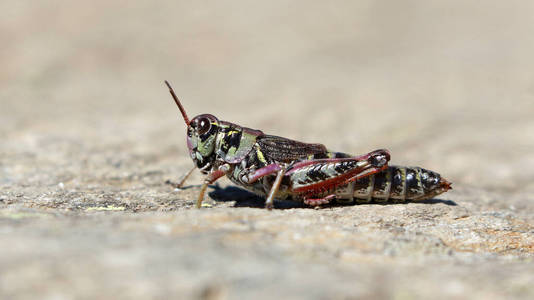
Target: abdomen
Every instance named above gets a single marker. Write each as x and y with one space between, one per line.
395 184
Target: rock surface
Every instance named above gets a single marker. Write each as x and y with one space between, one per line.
90 139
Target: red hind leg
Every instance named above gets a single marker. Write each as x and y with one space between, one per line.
309 177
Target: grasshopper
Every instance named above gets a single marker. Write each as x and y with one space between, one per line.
280 168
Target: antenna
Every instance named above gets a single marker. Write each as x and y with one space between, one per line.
182 110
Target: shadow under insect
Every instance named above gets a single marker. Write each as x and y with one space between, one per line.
244 198
439 201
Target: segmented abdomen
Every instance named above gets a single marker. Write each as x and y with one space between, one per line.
395 184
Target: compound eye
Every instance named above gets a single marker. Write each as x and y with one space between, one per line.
204 126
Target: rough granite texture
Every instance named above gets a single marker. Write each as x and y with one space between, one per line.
90 139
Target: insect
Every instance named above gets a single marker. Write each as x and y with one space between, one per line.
279 168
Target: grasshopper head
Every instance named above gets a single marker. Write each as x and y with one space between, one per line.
201 134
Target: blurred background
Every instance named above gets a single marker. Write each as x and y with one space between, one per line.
85 116
445 84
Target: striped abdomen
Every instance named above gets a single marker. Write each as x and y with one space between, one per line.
395 184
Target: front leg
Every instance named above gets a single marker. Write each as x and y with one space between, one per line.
180 184
211 178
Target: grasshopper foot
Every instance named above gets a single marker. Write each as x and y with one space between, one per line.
319 201
179 185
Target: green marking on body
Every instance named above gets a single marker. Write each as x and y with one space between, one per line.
260 156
